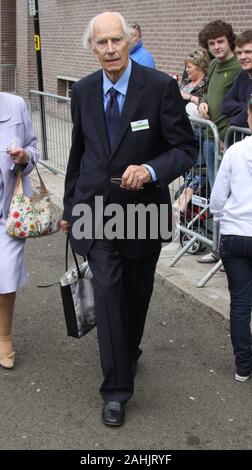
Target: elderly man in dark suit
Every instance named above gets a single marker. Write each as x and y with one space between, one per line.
129 126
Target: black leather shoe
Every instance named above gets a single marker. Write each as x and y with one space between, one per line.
113 413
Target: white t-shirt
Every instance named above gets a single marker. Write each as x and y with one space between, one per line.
231 197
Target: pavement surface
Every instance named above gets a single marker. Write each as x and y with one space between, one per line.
185 393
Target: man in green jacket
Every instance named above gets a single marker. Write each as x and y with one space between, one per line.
219 39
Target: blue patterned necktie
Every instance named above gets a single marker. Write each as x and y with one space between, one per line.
112 117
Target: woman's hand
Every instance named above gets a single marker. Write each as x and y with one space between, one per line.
65 226
203 110
19 156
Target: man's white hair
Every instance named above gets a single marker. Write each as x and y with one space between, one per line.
89 31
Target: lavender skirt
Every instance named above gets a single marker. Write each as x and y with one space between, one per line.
13 274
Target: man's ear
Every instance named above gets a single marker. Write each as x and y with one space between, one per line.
92 46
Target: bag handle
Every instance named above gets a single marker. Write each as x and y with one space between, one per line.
43 189
74 256
18 188
66 264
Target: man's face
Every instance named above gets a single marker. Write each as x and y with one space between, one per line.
244 55
110 45
220 48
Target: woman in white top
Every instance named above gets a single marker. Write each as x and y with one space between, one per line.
231 203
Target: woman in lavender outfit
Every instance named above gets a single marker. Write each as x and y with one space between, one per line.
17 148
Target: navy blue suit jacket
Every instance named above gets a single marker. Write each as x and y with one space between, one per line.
168 145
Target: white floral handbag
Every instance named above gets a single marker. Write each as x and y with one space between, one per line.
33 216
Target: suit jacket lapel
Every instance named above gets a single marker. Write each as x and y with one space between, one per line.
97 110
134 94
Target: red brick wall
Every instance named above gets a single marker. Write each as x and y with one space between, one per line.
8 32
169 28
26 60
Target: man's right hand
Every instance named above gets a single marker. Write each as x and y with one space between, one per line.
65 226
203 110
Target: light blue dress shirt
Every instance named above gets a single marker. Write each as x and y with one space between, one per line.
121 87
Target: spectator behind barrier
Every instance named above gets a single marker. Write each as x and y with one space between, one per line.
196 65
220 39
234 104
195 86
231 204
202 47
138 52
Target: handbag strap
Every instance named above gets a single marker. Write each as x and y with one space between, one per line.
42 184
66 262
18 188
74 256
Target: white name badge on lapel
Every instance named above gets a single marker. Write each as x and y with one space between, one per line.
140 125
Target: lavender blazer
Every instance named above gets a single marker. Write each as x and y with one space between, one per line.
15 122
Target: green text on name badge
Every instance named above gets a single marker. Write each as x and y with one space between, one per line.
139 125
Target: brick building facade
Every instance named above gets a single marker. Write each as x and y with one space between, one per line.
26 59
169 27
8 32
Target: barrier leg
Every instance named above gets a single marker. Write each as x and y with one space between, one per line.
210 274
183 251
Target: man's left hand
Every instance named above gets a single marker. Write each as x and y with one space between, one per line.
134 177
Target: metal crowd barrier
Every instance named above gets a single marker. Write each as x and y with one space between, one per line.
51 118
195 237
235 134
196 226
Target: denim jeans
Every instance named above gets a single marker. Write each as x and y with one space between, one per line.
208 152
236 255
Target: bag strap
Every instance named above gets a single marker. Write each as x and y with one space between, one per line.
42 184
74 256
66 263
18 188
